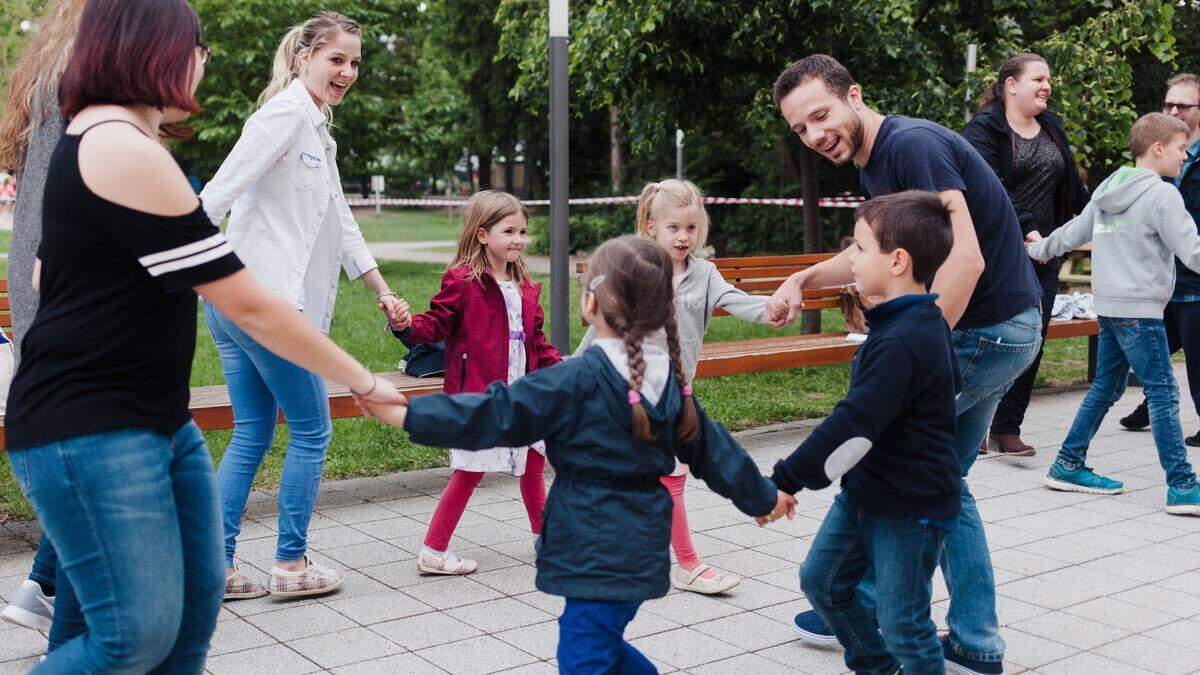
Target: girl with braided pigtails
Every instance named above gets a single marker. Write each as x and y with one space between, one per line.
671 212
615 420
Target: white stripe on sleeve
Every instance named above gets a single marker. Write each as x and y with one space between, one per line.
181 251
190 261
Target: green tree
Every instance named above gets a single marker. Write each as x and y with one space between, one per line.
244 34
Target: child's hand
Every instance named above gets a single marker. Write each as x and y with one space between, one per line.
785 505
395 308
777 311
393 414
1029 248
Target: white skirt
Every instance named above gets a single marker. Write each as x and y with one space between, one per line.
494 460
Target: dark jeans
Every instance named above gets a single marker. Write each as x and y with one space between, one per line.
44 563
1011 411
591 639
903 555
1182 320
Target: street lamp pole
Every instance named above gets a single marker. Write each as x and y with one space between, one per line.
559 249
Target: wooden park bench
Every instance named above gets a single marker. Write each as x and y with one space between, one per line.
210 406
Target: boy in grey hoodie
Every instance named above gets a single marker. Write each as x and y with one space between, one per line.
1137 225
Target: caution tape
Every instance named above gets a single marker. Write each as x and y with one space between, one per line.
838 202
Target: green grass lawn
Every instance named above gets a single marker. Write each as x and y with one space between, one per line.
407 224
363 447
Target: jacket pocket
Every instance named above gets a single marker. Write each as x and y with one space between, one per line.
307 170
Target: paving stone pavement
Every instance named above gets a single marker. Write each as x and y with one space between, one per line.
1086 584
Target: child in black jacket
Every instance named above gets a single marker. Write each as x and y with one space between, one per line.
890 443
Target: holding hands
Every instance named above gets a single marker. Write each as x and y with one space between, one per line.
785 505
396 310
1030 239
777 311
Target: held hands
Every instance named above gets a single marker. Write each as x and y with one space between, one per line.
396 310
785 505
789 293
777 311
1030 239
392 414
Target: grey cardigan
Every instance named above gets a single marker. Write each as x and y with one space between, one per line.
27 217
701 290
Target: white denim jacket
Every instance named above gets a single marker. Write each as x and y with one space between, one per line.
290 223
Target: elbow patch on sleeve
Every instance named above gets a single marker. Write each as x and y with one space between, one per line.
845 456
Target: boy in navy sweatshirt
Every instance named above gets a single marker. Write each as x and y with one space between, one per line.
890 443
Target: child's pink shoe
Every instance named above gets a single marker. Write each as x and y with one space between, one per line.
694 582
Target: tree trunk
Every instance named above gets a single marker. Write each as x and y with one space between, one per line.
508 168
616 136
485 170
810 320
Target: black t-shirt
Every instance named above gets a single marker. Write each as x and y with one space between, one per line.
916 154
112 343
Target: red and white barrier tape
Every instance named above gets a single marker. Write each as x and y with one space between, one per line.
838 202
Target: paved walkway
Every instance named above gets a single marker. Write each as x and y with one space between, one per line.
1087 584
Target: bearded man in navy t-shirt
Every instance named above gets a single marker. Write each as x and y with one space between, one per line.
987 292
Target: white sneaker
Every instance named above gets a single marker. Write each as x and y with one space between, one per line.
30 607
446 563
1083 306
692 581
1064 307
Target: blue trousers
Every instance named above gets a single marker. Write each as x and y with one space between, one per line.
591 639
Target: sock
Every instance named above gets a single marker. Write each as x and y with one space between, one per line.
47 589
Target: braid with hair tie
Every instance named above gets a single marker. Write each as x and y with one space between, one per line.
637 375
687 425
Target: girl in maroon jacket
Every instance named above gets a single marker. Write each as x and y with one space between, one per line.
488 314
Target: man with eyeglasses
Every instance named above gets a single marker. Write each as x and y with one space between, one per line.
1182 315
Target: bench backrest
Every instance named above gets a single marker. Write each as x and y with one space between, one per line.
761 275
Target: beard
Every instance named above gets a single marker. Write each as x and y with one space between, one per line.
854 137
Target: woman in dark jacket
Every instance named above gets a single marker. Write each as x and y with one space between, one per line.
1026 146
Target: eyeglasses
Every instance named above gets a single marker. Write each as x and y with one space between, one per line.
1182 107
205 53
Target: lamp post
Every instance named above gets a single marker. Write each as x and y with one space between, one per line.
559 253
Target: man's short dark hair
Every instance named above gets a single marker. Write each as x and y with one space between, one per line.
916 221
819 66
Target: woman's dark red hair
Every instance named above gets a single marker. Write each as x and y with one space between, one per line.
132 52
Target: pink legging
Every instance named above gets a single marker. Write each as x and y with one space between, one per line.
681 537
462 483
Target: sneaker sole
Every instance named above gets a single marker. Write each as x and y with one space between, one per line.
1020 453
25 618
952 667
1072 487
815 639
247 596
1129 428
707 590
441 572
1184 510
310 591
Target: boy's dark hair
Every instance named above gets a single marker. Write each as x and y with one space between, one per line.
916 221
814 66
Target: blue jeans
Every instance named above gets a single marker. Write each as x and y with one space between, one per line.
902 555
260 383
1142 345
591 639
989 359
133 516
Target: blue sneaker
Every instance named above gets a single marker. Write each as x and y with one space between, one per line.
1082 479
1184 502
813 630
956 663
